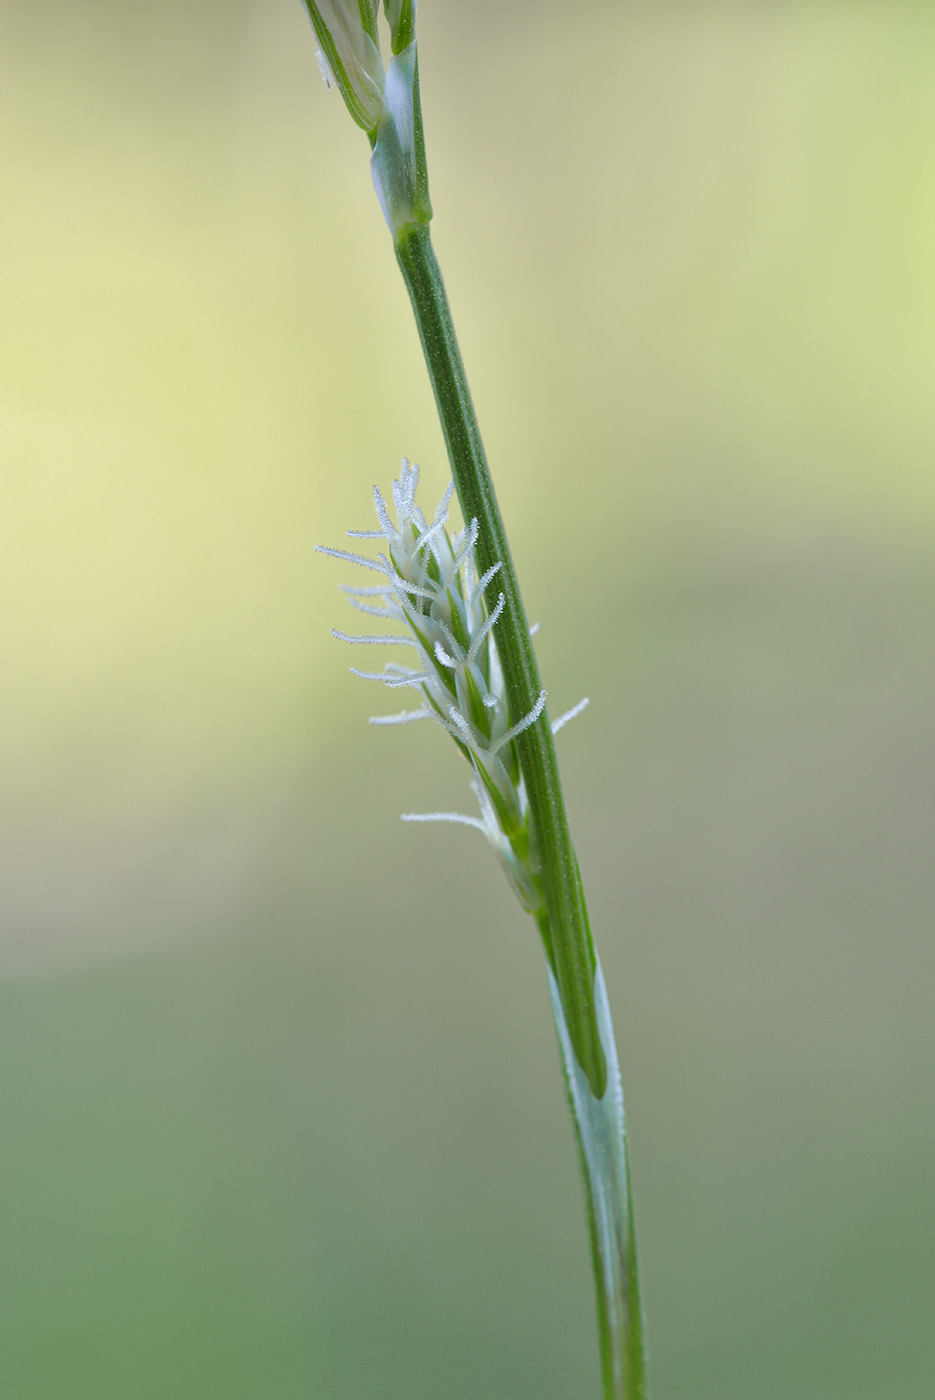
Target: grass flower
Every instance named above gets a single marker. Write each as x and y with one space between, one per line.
432 588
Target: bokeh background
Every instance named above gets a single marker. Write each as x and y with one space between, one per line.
280 1108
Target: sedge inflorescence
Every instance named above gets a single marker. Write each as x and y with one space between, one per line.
430 584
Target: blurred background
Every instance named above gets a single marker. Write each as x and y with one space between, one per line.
280 1101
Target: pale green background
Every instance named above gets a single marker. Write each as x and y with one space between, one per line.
280 1111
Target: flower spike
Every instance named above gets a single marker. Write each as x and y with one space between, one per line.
433 590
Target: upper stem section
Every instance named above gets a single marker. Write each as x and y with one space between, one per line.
565 929
397 163
383 101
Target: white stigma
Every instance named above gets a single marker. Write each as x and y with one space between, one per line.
430 586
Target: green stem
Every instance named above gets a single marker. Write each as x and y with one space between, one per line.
579 1000
568 945
600 1133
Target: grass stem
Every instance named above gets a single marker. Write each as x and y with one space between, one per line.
579 998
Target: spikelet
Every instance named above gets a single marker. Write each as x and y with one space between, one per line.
429 584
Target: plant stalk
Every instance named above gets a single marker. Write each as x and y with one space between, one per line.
578 996
567 935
